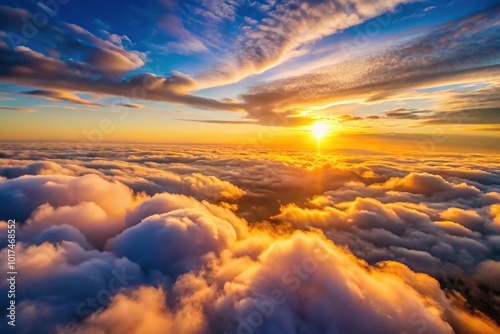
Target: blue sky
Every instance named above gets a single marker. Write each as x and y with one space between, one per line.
203 64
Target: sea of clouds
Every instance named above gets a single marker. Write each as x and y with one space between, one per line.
220 239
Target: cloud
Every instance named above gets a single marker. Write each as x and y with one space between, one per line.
100 66
165 202
37 70
71 283
131 105
175 242
403 219
60 190
348 118
142 310
467 116
217 10
416 63
187 42
287 27
217 121
103 56
58 96
93 65
403 113
429 185
354 233
89 218
487 272
17 109
302 274
116 39
12 17
12 170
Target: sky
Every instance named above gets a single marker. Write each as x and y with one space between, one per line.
249 167
393 74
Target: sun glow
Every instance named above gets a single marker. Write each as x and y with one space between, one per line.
319 129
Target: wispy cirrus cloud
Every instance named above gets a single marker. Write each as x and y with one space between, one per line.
186 41
466 53
58 96
217 10
286 27
17 109
131 105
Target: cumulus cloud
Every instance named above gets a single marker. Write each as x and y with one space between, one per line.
38 70
23 195
90 64
488 272
428 184
302 274
143 310
352 236
65 276
175 242
409 225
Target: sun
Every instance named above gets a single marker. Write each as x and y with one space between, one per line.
319 129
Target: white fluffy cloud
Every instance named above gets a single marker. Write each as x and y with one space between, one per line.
341 239
299 283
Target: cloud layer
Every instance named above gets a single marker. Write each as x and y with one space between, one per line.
461 51
142 238
286 27
420 62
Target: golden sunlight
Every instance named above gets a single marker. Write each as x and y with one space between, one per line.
319 129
